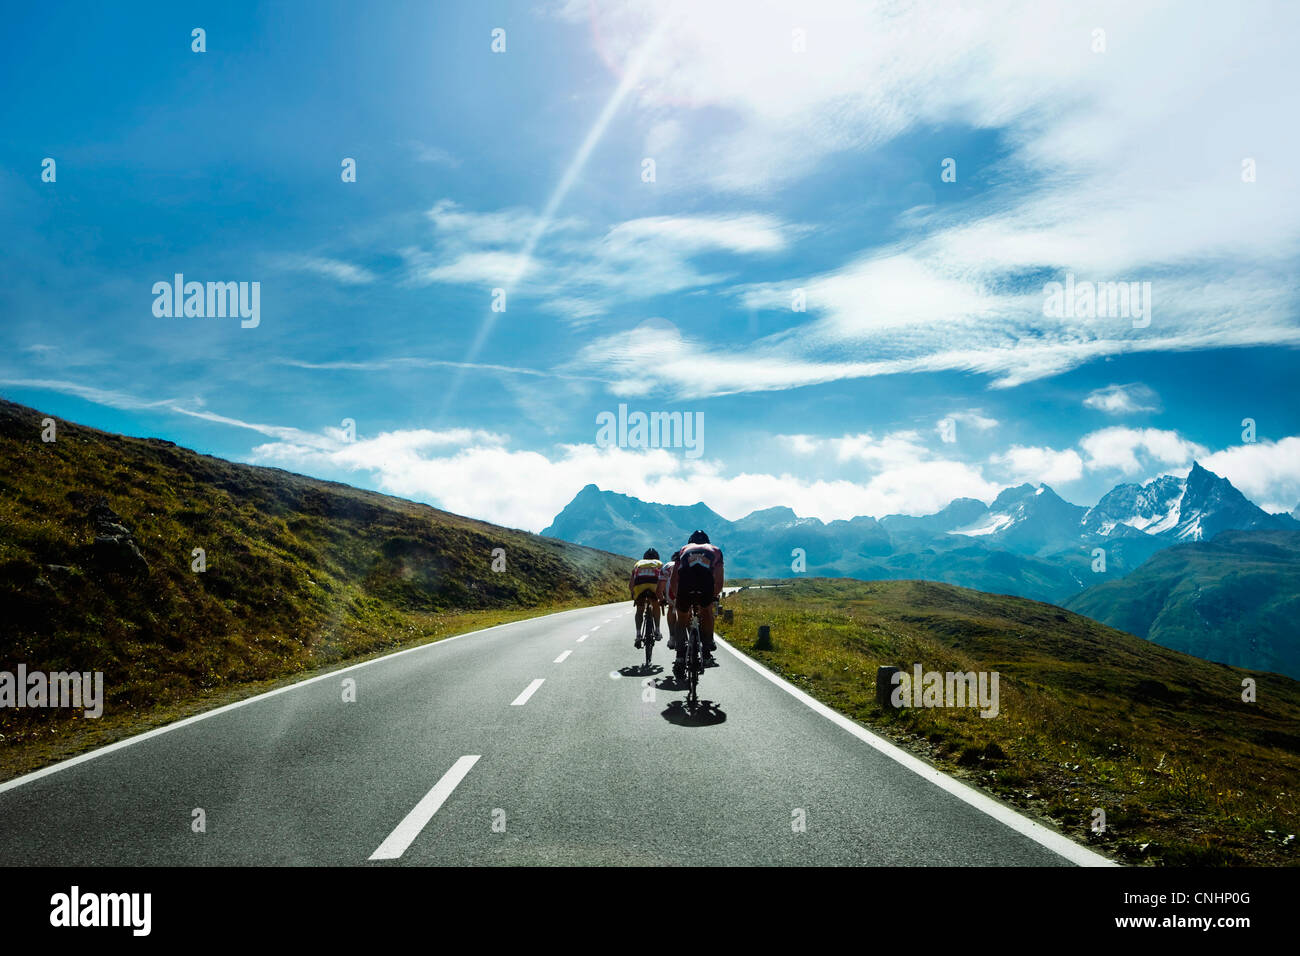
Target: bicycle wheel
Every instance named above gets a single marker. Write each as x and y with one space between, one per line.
693 671
649 642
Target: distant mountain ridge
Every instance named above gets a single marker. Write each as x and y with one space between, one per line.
1192 509
1189 563
624 521
1234 599
1029 542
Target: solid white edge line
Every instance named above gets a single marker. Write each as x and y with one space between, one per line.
1044 836
563 655
528 692
404 833
167 728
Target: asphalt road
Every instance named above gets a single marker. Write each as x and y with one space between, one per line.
445 758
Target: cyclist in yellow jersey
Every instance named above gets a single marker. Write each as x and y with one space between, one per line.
644 585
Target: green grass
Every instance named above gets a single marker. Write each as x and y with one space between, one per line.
1186 773
302 575
1234 598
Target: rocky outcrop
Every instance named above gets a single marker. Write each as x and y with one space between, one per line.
114 549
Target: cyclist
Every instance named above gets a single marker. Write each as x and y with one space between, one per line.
696 579
644 584
670 612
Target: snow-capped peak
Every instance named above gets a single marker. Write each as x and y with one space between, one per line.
1188 509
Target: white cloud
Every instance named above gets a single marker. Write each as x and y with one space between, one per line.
739 233
1133 450
1138 194
100 396
891 450
406 361
1268 473
912 317
486 268
477 474
639 364
974 419
576 310
887 292
904 476
579 274
504 227
874 71
191 407
342 272
800 444
1022 464
1123 399
946 427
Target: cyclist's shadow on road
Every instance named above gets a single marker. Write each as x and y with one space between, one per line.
641 670
706 714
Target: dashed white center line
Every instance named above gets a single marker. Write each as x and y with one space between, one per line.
596 628
583 638
415 821
560 659
528 692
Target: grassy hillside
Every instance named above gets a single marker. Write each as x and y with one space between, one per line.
1234 598
1090 717
97 533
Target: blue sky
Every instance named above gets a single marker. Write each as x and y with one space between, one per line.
775 170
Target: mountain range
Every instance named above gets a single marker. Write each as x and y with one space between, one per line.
1028 542
1188 563
1233 599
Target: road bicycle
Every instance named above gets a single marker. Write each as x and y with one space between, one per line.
648 633
694 658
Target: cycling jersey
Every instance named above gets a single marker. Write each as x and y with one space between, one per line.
697 578
645 577
646 571
665 576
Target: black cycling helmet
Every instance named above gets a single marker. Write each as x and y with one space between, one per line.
698 537
650 553
677 554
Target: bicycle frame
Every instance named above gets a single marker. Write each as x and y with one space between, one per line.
647 629
694 658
